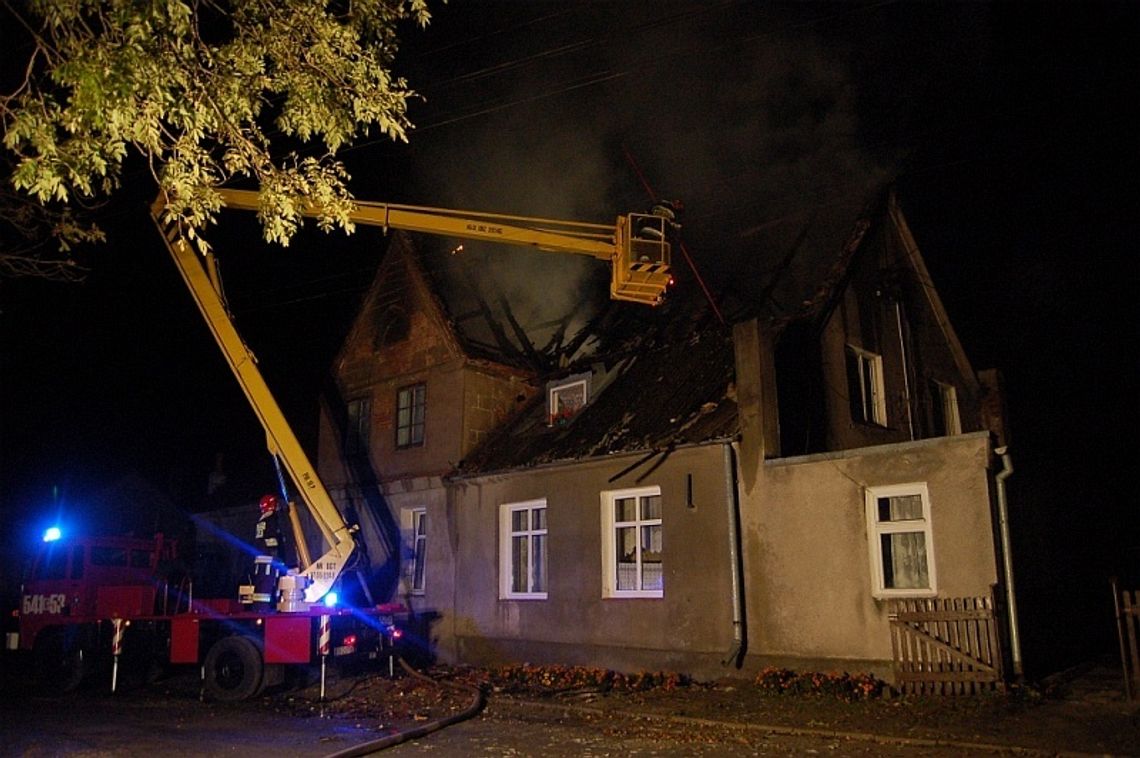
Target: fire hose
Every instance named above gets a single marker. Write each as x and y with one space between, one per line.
391 740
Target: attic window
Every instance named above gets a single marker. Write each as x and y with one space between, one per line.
944 405
392 327
865 386
565 398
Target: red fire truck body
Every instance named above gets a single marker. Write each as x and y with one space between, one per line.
81 589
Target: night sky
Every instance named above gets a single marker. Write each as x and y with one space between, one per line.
1006 129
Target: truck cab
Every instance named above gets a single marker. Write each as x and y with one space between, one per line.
92 577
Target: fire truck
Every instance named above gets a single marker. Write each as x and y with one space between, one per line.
91 600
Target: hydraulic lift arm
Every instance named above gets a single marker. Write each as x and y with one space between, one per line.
200 277
635 246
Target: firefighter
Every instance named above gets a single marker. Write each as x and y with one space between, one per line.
268 566
670 211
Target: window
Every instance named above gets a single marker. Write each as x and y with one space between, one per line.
898 529
410 402
565 398
77 562
358 427
865 386
418 517
944 404
54 563
631 543
392 328
103 555
522 550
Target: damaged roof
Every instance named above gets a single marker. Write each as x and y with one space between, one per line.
658 396
664 377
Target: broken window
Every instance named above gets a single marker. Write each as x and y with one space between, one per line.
865 386
633 537
566 398
522 550
410 405
902 558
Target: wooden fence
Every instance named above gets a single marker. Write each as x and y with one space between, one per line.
946 646
1128 629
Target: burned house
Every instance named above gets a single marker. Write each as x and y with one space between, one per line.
684 491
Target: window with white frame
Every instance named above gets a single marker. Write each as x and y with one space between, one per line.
865 386
565 398
632 535
944 404
416 523
902 550
411 402
522 550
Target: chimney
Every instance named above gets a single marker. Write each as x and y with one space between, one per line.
754 350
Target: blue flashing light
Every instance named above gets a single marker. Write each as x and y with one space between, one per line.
53 533
330 600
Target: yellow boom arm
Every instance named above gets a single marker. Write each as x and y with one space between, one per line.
201 279
639 261
635 247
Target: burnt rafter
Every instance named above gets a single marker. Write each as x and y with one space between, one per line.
503 342
541 362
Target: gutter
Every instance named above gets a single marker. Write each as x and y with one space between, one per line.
1007 557
735 655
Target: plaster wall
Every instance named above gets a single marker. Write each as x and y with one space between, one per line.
807 556
690 624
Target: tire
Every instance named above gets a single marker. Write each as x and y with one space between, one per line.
61 663
234 669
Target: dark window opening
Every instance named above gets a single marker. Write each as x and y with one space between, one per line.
108 556
54 565
77 562
359 427
391 328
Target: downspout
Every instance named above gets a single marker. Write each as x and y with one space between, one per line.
735 655
1007 557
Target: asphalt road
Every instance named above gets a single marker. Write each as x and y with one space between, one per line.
169 720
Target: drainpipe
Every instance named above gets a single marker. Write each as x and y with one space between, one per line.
1007 557
732 502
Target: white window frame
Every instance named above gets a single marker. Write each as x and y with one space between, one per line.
876 529
415 521
507 535
609 542
578 384
873 399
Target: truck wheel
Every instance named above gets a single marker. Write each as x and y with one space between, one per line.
234 669
60 664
